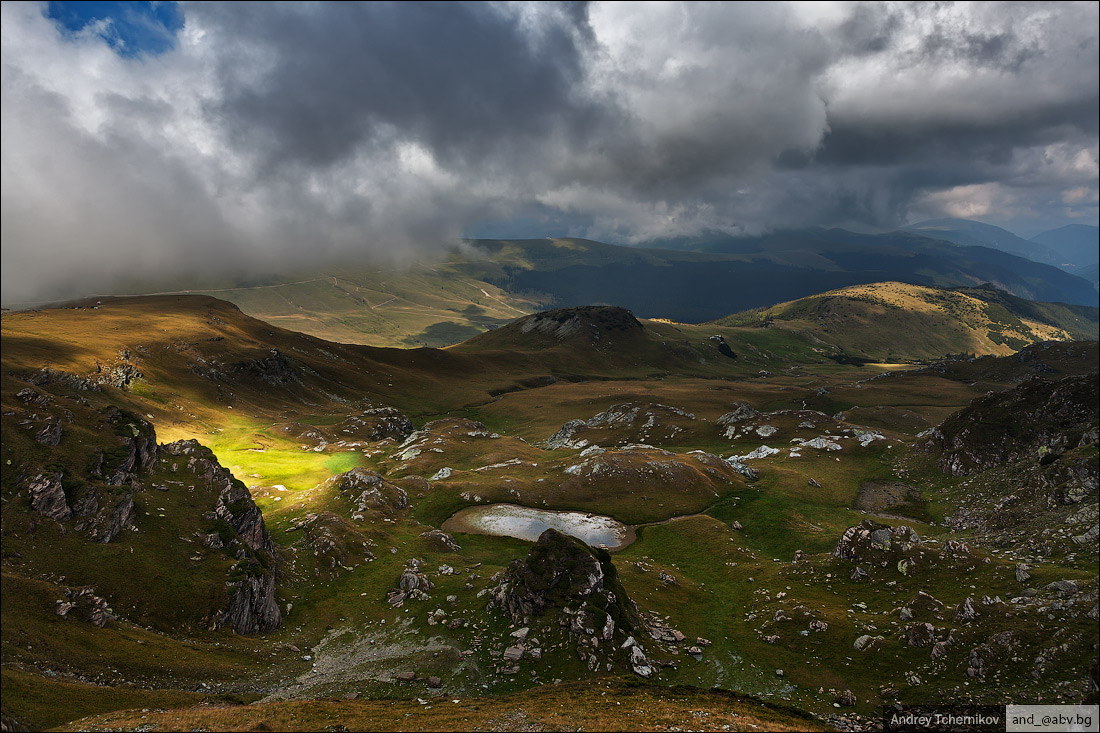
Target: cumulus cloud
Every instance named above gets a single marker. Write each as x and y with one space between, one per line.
274 135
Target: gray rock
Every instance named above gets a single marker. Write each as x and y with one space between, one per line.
48 497
50 434
1023 572
1065 587
252 607
441 540
105 527
920 634
845 698
965 612
865 642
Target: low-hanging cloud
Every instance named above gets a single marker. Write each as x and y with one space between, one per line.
276 135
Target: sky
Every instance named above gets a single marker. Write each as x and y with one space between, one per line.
144 138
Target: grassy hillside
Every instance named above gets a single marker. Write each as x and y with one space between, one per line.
358 456
487 283
892 321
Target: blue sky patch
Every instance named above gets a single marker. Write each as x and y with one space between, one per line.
130 28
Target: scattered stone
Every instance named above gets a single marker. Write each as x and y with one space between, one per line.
866 642
1063 587
845 698
965 612
50 434
920 634
441 540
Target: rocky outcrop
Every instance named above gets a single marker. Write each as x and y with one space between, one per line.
137 453
965 612
558 571
109 522
51 377
563 585
119 375
879 544
622 424
252 607
566 437
1038 419
441 541
595 322
241 532
411 585
83 602
50 434
48 497
741 412
275 370
369 491
378 423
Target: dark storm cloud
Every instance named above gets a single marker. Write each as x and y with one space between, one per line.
276 134
309 85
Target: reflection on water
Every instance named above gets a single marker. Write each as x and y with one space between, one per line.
525 523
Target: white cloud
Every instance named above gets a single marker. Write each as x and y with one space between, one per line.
391 129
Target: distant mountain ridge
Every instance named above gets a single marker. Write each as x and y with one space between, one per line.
1077 244
730 274
968 233
488 282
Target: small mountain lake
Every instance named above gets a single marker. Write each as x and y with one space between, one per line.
525 523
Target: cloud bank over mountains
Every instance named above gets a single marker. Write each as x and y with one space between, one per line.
273 134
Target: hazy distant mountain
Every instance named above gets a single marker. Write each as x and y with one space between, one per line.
966 232
733 274
1076 244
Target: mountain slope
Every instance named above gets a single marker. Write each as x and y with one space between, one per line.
968 233
889 321
740 273
1077 245
486 283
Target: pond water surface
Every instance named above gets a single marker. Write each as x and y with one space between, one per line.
526 523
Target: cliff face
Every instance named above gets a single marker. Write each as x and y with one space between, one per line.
240 531
1038 419
96 472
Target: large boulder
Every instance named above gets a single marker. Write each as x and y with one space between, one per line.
880 544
